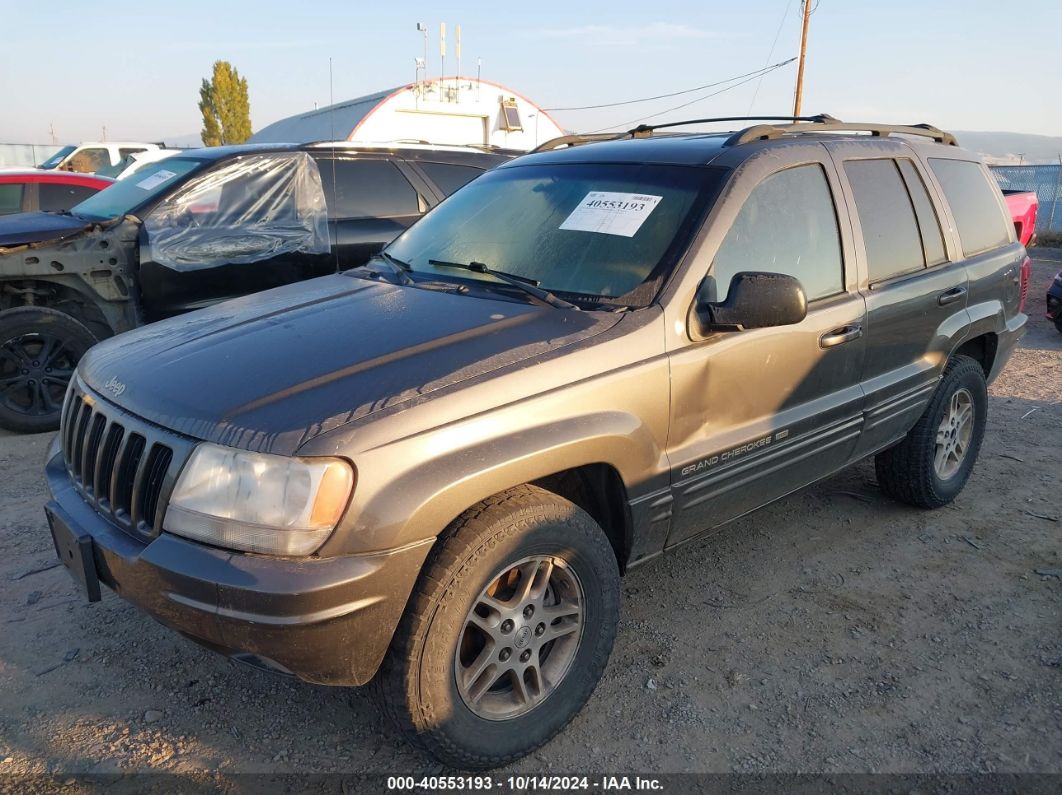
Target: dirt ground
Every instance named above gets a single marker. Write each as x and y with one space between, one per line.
835 631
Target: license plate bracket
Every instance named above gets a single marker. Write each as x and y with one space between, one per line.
75 553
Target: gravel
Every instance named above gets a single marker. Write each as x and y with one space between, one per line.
834 631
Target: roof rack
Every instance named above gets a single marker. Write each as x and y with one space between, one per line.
646 130
824 123
821 122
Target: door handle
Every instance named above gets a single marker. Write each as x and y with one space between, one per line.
839 336
951 296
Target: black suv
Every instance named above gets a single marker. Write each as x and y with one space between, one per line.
431 472
194 229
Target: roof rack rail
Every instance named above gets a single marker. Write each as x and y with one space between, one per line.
576 140
643 129
646 130
824 123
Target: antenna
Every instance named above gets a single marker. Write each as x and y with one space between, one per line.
457 52
333 224
479 69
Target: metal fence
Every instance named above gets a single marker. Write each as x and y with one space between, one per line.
1046 181
25 155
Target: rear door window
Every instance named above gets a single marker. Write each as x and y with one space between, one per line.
886 214
56 198
974 202
448 177
366 189
10 198
787 225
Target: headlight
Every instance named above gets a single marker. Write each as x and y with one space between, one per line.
256 502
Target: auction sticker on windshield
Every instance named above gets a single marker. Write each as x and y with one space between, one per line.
611 213
156 179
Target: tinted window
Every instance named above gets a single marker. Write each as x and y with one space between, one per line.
973 200
787 225
890 231
10 199
125 151
54 198
449 177
928 223
366 189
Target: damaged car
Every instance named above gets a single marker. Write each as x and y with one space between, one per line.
194 229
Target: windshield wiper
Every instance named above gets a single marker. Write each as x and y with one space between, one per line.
529 286
398 267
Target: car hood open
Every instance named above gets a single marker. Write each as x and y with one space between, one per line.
270 371
23 228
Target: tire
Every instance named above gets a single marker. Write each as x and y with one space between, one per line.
914 471
1058 325
418 682
39 349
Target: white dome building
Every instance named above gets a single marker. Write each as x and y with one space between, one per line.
450 110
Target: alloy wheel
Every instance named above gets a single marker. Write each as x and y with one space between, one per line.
520 638
35 370
954 434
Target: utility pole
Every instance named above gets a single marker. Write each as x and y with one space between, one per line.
803 54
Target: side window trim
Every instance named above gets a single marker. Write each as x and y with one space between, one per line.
934 208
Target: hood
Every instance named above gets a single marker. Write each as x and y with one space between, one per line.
270 371
22 228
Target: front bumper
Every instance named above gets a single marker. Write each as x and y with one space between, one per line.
327 621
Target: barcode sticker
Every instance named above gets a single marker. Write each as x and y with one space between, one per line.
610 213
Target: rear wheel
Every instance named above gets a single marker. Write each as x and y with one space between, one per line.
932 464
507 632
39 349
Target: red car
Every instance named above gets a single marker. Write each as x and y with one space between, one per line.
51 191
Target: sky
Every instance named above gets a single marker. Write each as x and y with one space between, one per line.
135 67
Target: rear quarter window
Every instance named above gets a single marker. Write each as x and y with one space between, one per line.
449 177
974 203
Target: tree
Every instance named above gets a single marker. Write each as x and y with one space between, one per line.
226 110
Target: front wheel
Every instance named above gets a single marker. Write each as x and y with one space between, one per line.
932 464
507 632
39 349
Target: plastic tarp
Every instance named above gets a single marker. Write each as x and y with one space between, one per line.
252 209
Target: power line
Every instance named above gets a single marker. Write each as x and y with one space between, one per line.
770 54
673 93
747 79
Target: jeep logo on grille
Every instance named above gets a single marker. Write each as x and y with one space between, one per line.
115 387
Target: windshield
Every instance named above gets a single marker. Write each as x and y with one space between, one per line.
125 196
608 231
57 158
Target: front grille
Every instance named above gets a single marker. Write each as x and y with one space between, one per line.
122 465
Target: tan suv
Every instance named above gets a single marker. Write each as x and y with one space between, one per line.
432 470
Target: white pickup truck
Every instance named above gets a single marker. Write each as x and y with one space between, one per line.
91 156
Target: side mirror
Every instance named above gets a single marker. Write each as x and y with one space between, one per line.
755 300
